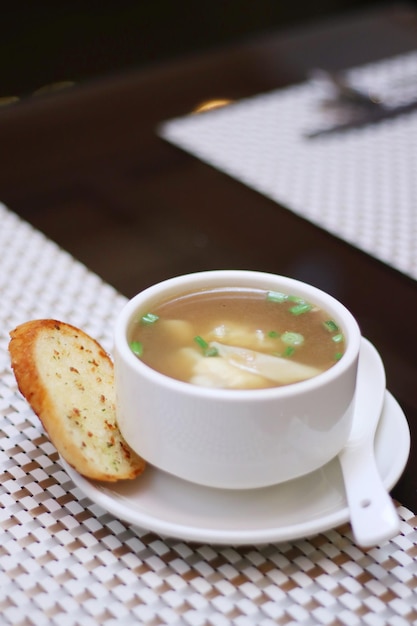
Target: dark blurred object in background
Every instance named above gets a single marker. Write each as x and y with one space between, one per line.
43 43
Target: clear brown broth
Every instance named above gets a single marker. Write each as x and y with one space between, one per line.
264 323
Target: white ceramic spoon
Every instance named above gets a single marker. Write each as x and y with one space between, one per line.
372 513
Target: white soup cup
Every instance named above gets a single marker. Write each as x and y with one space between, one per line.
230 438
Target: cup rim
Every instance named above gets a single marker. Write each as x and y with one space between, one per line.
124 321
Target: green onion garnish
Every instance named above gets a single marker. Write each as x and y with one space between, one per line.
299 309
338 356
273 334
289 351
149 318
296 299
201 342
211 351
292 339
338 338
331 326
136 348
276 296
206 348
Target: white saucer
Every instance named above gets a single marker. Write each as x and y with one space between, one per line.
299 508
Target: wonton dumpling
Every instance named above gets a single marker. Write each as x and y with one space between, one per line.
240 335
218 372
176 329
283 371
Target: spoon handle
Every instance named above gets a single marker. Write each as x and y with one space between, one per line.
373 516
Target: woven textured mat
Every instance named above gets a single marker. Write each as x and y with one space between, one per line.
359 184
65 561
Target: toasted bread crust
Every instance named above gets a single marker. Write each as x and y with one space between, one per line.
68 380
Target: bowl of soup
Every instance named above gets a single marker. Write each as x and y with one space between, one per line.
235 379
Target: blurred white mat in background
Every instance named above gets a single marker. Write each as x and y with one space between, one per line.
360 185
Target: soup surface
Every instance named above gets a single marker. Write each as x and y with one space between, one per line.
237 338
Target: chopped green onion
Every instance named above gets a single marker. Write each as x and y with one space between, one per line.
331 326
338 338
276 296
149 318
211 351
289 351
136 348
206 348
299 309
292 339
273 334
201 342
338 356
296 299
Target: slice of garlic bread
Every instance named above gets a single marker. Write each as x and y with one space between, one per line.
68 380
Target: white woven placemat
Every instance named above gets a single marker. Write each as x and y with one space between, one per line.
360 185
64 561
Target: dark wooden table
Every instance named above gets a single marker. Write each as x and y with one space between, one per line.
86 167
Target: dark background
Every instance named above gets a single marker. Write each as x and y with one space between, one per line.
85 166
46 42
